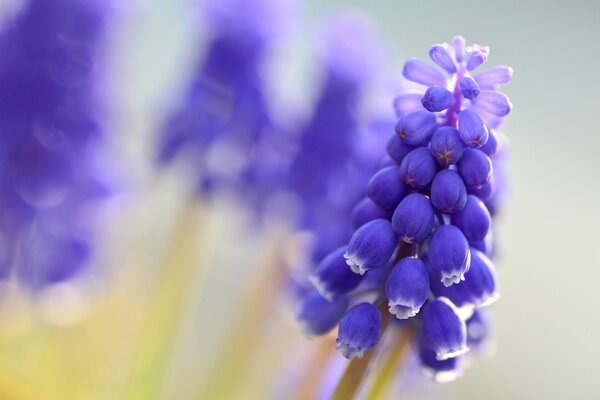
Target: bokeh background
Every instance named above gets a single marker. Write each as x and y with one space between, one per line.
151 330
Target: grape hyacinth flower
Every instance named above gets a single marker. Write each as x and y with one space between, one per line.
51 139
223 127
360 329
433 263
338 151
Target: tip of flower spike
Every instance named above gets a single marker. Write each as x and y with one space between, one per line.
355 265
348 351
401 311
449 279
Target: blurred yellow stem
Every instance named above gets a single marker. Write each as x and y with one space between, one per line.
167 306
250 323
385 374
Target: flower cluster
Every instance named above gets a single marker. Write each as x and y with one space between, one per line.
424 232
48 182
223 124
329 171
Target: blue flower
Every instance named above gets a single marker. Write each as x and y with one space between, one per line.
407 287
448 192
371 246
413 218
449 254
360 330
443 329
318 316
446 177
50 139
439 370
332 277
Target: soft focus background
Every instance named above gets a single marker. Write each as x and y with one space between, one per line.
152 330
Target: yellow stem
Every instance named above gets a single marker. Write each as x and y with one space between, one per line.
164 313
241 345
385 374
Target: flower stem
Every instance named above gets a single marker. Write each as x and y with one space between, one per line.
386 372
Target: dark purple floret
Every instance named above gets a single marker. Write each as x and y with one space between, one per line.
447 146
332 277
416 127
440 370
448 192
469 87
449 254
386 188
413 218
437 99
371 246
407 287
418 168
475 168
491 146
398 148
443 330
360 330
474 219
471 129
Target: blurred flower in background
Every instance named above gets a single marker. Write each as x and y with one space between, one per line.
51 140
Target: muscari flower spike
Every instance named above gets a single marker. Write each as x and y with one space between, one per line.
51 138
433 263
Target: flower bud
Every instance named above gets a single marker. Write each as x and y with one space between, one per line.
419 71
371 246
448 192
386 188
469 87
413 218
398 148
444 331
493 102
439 54
473 220
407 287
447 146
318 316
359 331
439 370
491 78
437 98
416 127
475 168
449 254
471 129
418 168
332 277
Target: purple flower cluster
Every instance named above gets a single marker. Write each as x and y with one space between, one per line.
48 72
330 169
424 232
223 124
